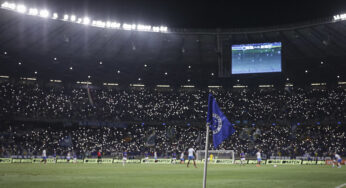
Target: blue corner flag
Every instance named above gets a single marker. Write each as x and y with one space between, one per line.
218 122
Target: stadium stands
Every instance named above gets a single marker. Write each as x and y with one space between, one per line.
281 122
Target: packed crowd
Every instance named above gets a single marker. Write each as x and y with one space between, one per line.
145 105
109 104
314 140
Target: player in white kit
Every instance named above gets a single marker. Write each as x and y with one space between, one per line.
44 156
155 156
337 160
182 160
259 159
124 157
68 157
191 156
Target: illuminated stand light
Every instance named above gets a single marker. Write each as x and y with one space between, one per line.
98 23
8 5
73 18
79 20
215 87
163 86
129 26
113 25
33 12
55 16
44 13
66 16
340 17
156 29
86 21
160 29
21 9
144 27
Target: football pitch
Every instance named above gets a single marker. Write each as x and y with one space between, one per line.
162 176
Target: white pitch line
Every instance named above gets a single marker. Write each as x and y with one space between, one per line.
340 186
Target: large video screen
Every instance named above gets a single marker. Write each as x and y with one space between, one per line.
256 58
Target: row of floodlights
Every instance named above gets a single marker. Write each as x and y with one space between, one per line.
44 13
340 17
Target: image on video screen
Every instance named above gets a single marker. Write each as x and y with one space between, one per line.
256 58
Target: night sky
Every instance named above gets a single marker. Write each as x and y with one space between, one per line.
198 14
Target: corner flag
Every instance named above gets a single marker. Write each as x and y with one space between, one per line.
218 122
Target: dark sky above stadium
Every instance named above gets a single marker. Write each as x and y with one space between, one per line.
199 14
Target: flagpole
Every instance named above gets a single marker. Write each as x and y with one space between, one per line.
206 156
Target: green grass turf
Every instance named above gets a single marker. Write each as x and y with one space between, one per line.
162 176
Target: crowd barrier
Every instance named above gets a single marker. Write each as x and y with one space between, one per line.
169 161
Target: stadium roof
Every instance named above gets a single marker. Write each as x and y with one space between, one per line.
60 50
201 14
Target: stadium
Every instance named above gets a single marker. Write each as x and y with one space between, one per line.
95 98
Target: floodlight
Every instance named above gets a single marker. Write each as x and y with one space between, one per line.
33 11
115 25
156 29
21 9
86 21
55 16
4 5
108 24
144 27
163 29
66 17
129 26
126 26
10 6
44 13
98 23
73 18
